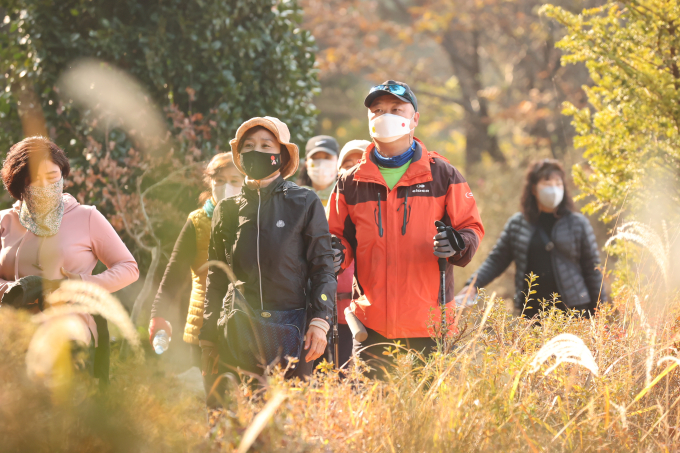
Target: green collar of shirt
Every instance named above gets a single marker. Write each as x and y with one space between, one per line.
393 175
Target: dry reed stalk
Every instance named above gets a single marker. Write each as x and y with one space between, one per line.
647 237
76 296
260 421
566 348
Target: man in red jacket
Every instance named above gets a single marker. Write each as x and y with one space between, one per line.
383 211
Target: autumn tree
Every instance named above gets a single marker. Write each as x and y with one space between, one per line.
495 60
240 58
630 133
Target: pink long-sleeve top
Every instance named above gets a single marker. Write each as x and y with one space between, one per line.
84 237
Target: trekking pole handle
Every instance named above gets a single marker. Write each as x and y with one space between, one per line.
455 239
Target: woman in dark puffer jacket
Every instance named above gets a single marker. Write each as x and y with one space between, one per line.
551 240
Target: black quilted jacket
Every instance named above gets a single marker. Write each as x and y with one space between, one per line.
575 259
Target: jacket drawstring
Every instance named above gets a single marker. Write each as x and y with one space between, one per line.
378 221
406 218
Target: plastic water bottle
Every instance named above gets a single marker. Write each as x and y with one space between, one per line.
161 342
462 302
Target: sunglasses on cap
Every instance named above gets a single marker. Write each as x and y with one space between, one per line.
403 92
394 89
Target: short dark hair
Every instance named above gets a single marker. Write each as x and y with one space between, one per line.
16 172
539 170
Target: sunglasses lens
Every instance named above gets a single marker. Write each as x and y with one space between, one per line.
394 89
397 89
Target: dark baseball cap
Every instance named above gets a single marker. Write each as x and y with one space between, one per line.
397 89
324 143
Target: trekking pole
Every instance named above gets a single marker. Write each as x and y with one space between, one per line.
442 293
336 244
335 337
458 244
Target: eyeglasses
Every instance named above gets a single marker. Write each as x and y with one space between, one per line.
394 89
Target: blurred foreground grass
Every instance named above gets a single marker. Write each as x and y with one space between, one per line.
490 394
141 411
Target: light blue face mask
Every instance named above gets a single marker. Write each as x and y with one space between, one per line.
551 196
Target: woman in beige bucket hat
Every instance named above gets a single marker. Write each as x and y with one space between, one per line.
275 237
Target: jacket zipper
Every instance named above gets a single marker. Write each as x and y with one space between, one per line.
259 270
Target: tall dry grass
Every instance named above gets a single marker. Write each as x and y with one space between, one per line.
603 385
615 389
561 383
141 411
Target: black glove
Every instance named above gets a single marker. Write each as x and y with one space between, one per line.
447 241
27 292
338 254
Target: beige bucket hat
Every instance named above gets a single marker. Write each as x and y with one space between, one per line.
282 134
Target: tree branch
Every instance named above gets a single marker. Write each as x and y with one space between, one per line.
142 206
448 42
466 105
126 225
402 7
166 179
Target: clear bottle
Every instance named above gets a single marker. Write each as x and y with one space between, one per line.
161 342
463 302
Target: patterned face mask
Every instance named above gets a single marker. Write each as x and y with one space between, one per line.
42 209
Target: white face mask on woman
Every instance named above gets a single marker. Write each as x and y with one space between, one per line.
322 172
388 128
222 191
551 196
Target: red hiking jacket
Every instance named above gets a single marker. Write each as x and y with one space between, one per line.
388 234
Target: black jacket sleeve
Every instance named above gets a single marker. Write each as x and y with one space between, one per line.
176 272
319 260
217 281
498 260
590 263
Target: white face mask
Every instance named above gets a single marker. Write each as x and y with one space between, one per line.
387 127
551 196
322 171
222 191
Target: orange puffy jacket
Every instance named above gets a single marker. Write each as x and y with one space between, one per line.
389 235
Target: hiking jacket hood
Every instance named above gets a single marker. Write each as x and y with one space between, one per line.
575 259
389 234
280 242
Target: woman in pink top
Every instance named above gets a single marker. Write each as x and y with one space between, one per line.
47 233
